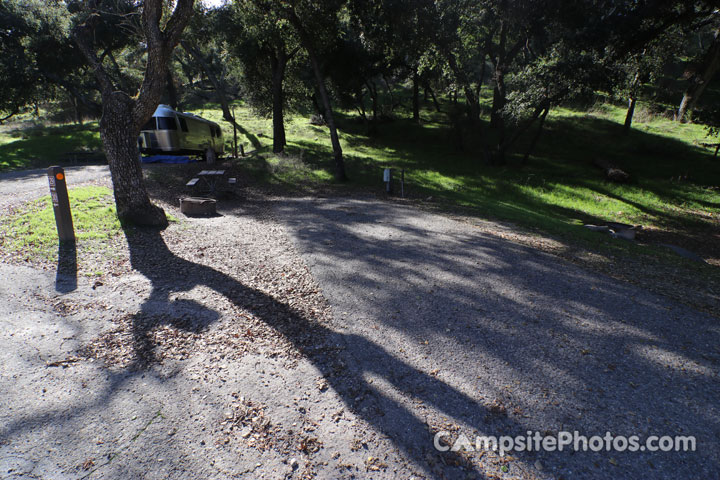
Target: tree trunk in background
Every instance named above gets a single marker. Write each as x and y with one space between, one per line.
416 97
497 120
501 58
76 110
172 91
278 63
390 93
372 91
472 101
631 103
119 136
499 98
700 79
316 106
481 80
682 110
322 91
535 139
219 92
629 115
91 107
436 104
329 117
504 143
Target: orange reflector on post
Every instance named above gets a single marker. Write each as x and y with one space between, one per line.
59 176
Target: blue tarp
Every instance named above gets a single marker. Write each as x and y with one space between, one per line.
167 159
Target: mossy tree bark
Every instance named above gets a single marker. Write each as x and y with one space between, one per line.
123 115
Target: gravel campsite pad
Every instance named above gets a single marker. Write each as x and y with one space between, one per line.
333 338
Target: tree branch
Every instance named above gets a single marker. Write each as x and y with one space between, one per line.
178 22
160 46
72 90
81 36
16 110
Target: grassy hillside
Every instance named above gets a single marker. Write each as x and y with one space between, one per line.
674 188
674 185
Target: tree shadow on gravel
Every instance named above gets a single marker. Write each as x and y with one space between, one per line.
562 349
333 354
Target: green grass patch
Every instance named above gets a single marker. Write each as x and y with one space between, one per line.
37 147
31 232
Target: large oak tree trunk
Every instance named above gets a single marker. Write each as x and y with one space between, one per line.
123 115
119 136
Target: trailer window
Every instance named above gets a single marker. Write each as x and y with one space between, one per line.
150 125
212 130
166 123
218 132
183 124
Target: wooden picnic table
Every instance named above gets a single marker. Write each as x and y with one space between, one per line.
210 178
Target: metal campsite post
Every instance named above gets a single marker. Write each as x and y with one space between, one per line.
387 178
61 204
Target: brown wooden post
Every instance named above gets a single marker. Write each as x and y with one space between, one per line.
61 204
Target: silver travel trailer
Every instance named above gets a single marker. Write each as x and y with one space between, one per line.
176 133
